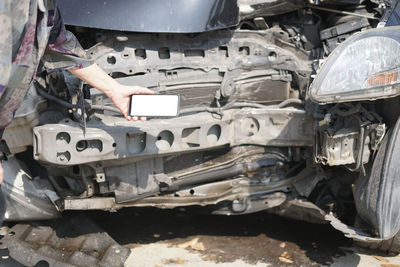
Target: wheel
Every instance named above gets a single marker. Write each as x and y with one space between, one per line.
376 194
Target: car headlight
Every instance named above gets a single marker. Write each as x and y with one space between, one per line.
365 67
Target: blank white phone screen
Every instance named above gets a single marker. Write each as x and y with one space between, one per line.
154 105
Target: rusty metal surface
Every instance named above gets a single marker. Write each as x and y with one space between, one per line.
72 241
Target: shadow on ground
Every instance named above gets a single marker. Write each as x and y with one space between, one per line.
259 237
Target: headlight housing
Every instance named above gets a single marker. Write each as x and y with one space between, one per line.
365 67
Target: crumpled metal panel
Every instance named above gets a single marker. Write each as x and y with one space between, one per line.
180 16
18 135
73 241
349 231
27 198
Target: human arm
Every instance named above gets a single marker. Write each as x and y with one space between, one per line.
63 51
118 93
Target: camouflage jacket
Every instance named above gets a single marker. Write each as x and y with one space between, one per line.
30 31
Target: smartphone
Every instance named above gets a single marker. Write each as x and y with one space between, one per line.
154 105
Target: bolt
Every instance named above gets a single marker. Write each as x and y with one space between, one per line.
280 164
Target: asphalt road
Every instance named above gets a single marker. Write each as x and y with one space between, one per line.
167 238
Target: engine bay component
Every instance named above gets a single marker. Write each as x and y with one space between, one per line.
336 35
346 135
251 190
106 139
227 65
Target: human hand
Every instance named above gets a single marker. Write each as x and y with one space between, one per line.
121 94
1 173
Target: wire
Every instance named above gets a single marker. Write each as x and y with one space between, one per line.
343 12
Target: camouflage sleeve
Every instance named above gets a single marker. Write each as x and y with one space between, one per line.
5 43
63 50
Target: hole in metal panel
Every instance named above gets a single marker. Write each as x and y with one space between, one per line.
63 157
213 134
81 145
250 126
140 54
272 56
63 139
244 50
111 60
165 139
163 53
92 145
136 142
42 263
194 53
223 51
191 137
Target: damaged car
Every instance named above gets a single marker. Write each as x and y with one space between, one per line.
287 106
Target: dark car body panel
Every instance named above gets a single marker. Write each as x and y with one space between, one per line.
172 16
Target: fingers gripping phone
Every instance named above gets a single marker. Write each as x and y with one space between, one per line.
154 105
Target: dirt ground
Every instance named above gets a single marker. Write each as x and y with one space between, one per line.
167 238
252 238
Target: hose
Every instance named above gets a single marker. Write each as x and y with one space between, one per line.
66 104
59 101
290 101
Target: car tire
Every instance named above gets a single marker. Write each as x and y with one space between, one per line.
391 245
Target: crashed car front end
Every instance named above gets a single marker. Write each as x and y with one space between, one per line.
252 134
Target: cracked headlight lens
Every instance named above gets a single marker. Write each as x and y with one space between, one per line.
364 67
